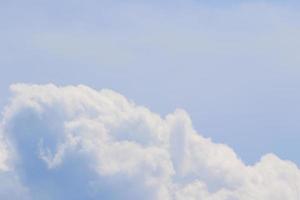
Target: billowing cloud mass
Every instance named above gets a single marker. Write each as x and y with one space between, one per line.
78 143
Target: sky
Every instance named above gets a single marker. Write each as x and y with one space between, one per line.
232 66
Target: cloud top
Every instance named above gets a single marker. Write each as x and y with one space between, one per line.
75 142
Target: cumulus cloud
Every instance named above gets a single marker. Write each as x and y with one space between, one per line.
78 143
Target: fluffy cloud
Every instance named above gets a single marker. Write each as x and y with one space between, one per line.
78 143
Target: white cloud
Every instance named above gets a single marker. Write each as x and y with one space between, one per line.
78 143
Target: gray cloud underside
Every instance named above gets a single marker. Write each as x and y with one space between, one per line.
78 143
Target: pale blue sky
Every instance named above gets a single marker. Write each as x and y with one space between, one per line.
234 66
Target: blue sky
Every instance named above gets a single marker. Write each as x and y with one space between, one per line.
225 70
234 66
